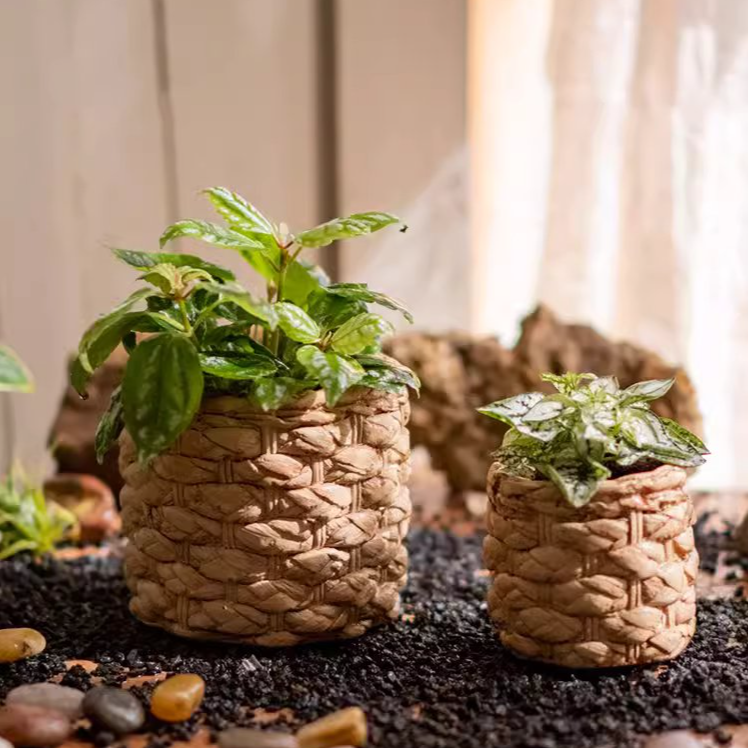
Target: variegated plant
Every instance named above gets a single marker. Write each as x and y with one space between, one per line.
207 333
589 430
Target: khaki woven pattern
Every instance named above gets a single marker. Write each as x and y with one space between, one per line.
610 584
272 529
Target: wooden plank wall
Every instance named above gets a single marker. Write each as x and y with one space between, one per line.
117 113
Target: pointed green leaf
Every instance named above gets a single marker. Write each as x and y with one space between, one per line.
296 323
234 294
345 228
14 376
577 481
146 260
246 366
210 233
683 437
359 333
361 292
335 373
239 213
395 371
161 391
302 279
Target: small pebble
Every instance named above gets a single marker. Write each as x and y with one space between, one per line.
114 709
16 644
346 727
177 698
5 744
49 696
245 737
674 739
33 726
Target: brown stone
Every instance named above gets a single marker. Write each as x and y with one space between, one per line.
345 727
17 644
50 696
90 500
177 698
461 372
33 726
674 739
245 737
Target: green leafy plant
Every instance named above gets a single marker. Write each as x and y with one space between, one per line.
207 334
14 376
589 430
28 522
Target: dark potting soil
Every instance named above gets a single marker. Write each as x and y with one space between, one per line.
436 678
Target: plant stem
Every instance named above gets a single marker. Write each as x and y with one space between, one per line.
185 318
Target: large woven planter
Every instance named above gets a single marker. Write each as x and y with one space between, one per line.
272 528
607 585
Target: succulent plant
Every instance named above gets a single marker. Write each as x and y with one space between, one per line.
207 334
28 522
590 430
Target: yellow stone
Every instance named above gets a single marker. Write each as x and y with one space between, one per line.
17 644
177 698
346 727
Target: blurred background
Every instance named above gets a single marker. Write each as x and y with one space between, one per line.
589 155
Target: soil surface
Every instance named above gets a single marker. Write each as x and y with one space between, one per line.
436 678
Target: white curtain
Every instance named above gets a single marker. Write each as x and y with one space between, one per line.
609 144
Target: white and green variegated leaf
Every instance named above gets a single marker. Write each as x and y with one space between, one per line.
210 233
512 409
345 228
652 389
683 437
334 372
577 481
360 332
296 323
14 376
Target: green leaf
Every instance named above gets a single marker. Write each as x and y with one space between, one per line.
302 279
512 409
14 376
247 366
567 383
146 260
296 323
272 392
161 391
165 277
238 213
345 228
544 410
395 371
210 233
335 373
235 294
652 389
361 292
110 426
332 311
360 332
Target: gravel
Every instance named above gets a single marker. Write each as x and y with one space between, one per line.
438 678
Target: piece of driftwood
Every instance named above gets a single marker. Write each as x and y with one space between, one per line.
272 528
609 584
461 372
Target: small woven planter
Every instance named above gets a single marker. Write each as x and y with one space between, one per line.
272 528
606 585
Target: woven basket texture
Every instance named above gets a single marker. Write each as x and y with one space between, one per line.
272 528
610 584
